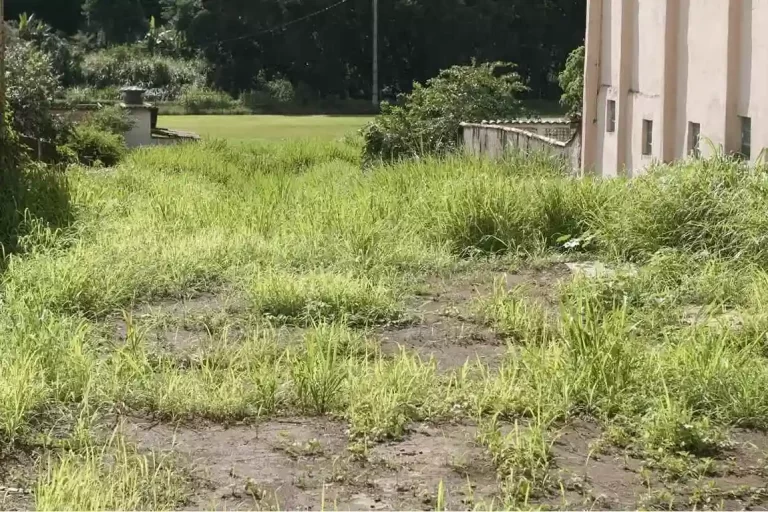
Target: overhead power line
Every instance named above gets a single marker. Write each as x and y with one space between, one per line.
282 26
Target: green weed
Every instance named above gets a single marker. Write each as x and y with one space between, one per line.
113 477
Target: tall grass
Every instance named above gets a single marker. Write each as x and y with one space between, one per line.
298 236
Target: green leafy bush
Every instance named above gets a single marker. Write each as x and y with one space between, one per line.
165 76
428 119
111 119
94 146
280 89
571 81
255 100
199 100
86 94
66 58
270 92
30 88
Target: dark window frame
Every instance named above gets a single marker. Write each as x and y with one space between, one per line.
610 124
647 137
746 137
694 139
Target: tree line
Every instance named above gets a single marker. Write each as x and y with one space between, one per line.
324 46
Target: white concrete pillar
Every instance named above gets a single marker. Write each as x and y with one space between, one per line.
592 62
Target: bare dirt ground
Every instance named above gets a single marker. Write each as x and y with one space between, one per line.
306 463
17 471
299 464
448 329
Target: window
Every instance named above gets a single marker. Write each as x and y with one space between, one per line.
610 125
746 137
647 137
694 139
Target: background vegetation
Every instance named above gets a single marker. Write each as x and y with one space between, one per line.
298 52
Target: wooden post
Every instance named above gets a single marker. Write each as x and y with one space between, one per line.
2 67
375 52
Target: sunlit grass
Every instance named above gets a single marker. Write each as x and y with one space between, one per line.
254 128
667 354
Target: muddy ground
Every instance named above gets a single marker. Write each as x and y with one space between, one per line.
305 463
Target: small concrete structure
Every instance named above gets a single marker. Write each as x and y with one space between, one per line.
493 138
141 113
662 76
144 116
557 128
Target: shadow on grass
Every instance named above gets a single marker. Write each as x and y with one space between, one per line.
32 196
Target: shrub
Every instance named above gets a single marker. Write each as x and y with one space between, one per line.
199 100
94 146
86 94
165 76
270 92
428 119
255 100
66 58
571 81
281 90
111 119
30 88
699 206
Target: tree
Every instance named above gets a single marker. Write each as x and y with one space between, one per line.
571 81
329 50
429 118
116 21
324 47
30 88
63 15
66 58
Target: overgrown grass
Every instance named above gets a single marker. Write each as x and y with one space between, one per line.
113 477
667 354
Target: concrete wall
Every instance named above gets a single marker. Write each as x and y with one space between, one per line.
494 140
552 129
672 62
141 133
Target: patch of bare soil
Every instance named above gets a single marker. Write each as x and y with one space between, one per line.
186 327
303 464
445 326
434 454
17 477
174 326
616 481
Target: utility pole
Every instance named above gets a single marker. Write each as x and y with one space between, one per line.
375 52
2 68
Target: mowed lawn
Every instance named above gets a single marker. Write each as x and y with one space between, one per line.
266 128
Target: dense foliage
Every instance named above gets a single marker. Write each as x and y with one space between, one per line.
164 76
428 119
30 87
324 48
112 119
93 146
571 81
66 58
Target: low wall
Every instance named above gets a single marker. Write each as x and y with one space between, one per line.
144 132
493 140
40 150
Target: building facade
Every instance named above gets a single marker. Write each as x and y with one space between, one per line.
665 79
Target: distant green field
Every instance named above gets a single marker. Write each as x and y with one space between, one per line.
266 128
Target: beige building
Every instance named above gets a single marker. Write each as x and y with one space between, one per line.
664 76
